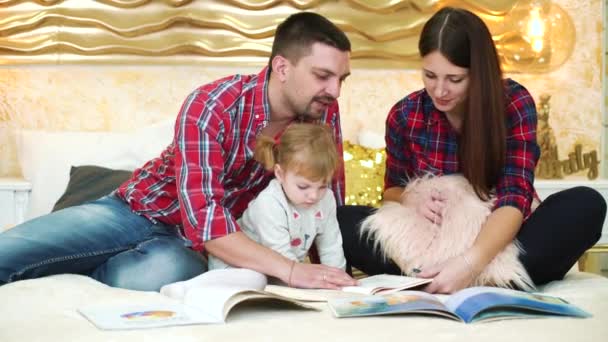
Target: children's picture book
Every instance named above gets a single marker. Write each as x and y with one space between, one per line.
377 284
475 304
207 300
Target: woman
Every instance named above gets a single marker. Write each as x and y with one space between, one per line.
468 120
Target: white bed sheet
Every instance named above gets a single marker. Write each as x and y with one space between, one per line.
45 310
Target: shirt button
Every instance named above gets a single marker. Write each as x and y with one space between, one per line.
257 116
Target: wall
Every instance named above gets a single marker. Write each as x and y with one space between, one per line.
121 98
604 141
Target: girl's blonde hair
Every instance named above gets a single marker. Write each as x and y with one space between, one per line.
308 150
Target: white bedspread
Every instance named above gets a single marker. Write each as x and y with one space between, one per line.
45 310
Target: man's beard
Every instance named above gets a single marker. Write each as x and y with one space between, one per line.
309 115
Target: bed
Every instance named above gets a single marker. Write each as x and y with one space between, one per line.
45 309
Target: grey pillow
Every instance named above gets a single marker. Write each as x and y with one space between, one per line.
88 183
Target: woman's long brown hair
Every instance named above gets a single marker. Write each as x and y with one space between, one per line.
464 39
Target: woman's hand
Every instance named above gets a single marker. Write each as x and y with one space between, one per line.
454 274
318 276
432 207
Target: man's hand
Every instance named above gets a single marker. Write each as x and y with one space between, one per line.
319 277
239 250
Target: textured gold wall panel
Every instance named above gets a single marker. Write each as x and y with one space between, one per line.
70 94
384 33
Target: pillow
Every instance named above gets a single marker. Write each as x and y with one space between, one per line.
364 171
88 183
407 238
46 157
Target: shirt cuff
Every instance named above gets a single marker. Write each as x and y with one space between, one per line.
520 202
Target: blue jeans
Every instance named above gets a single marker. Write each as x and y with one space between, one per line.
103 239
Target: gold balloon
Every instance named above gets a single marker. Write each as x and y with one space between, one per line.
364 168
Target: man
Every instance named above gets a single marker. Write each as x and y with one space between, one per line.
151 231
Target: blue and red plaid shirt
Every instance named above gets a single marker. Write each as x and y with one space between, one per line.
420 140
207 176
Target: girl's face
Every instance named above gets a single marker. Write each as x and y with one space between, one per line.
446 83
300 191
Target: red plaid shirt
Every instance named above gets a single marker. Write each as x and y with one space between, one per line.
206 177
420 140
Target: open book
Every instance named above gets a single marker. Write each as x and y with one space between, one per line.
386 283
377 284
207 300
469 305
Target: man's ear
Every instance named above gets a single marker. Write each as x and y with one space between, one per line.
280 66
278 172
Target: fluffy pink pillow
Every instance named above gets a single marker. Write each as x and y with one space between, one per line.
411 241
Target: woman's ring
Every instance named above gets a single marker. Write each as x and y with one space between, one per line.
324 277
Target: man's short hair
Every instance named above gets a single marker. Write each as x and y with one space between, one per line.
295 36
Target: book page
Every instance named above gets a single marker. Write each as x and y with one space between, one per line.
218 301
307 295
207 298
144 316
214 301
404 302
266 297
385 283
483 303
239 278
378 284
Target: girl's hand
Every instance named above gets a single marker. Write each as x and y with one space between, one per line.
319 277
453 275
432 207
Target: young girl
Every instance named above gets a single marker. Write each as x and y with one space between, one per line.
468 120
297 208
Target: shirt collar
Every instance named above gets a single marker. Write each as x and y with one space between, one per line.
434 116
261 106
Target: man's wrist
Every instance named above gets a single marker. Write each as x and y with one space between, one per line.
291 268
